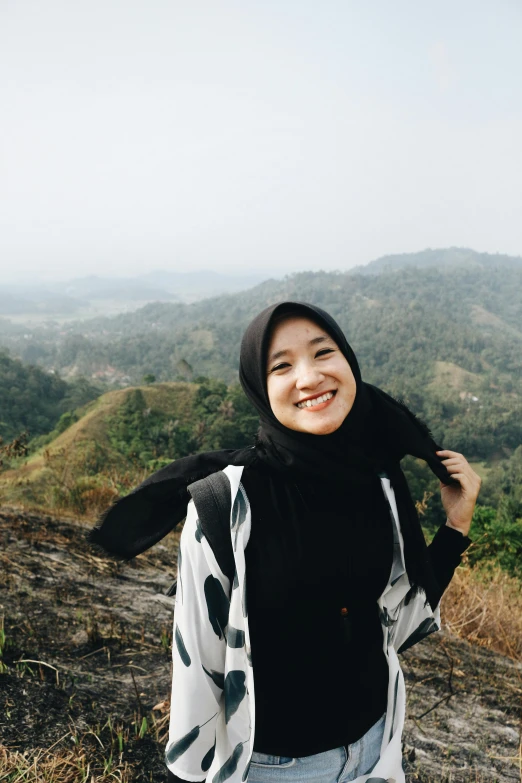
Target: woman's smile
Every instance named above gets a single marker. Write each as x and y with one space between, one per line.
307 373
317 402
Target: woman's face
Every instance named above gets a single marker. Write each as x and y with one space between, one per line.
310 384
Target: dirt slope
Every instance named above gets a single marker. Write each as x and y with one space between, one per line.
105 627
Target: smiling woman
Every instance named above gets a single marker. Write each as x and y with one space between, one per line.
310 384
296 599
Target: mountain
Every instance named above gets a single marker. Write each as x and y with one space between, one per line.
445 258
192 286
448 340
86 296
22 300
124 289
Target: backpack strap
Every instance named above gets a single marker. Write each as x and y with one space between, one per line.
212 498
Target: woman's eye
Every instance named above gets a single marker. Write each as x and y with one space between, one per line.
280 366
324 351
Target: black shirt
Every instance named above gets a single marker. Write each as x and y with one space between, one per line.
306 562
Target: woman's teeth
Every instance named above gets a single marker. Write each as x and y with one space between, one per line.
315 401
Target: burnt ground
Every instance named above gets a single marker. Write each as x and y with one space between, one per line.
100 633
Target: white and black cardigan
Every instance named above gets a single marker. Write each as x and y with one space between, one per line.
212 718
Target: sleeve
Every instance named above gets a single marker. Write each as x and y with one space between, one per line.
445 553
198 652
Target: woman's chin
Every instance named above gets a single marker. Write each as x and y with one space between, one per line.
318 427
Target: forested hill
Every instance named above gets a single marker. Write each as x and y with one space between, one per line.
33 401
445 258
447 340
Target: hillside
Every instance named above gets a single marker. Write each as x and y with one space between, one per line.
32 400
103 450
404 327
471 317
113 442
445 258
448 342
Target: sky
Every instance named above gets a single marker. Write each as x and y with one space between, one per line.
263 135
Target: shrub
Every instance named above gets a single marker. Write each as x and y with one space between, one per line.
498 538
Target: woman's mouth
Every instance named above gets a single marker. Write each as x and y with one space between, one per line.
317 403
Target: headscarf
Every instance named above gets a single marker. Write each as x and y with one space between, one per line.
377 432
375 435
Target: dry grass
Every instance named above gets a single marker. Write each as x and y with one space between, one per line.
62 766
95 756
484 606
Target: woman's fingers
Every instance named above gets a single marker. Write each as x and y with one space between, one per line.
448 453
454 466
459 468
454 462
454 459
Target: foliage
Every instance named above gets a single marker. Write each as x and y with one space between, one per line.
32 400
17 448
220 417
504 480
496 529
445 339
82 481
111 453
498 537
403 325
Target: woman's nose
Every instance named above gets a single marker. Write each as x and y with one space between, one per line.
308 378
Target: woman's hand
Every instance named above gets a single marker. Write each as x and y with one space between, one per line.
459 499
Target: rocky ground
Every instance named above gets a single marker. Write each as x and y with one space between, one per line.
86 666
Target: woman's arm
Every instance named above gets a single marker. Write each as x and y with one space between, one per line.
451 539
445 552
198 651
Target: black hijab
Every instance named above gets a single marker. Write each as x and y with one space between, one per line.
378 430
374 437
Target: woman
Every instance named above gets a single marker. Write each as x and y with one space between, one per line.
299 677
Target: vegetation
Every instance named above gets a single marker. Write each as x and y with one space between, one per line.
484 606
32 400
104 449
220 417
446 338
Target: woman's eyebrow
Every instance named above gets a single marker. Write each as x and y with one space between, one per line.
284 351
277 355
324 338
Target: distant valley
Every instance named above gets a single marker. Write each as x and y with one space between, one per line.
87 297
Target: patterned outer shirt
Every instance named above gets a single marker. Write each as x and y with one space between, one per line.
212 718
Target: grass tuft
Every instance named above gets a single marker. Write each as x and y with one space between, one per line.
484 606
62 765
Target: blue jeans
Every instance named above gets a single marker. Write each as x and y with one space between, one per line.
332 766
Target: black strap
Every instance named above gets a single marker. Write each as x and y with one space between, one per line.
212 498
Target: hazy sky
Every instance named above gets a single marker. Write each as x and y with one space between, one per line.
268 134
